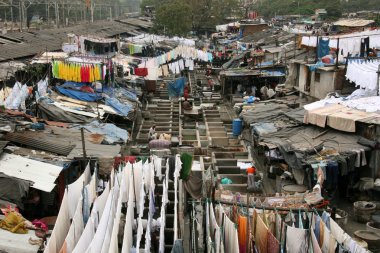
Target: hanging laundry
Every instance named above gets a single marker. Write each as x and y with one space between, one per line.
231 241
364 47
77 72
273 244
261 235
297 239
323 47
316 248
242 233
141 71
363 74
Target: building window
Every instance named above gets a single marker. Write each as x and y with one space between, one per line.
317 77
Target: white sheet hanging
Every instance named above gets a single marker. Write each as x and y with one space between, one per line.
93 221
66 212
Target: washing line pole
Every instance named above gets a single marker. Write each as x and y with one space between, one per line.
378 80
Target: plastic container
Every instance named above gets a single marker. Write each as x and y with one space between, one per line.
363 211
236 127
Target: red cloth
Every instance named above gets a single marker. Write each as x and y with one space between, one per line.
86 88
141 71
118 160
82 74
273 244
186 95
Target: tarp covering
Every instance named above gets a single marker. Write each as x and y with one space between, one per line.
273 124
262 111
112 133
297 143
13 190
83 96
120 108
49 111
121 92
175 88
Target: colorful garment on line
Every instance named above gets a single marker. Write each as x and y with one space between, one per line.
85 73
242 233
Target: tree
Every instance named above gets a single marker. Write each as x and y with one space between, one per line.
173 17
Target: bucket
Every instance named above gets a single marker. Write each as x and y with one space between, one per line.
236 127
363 211
371 238
374 227
293 188
341 217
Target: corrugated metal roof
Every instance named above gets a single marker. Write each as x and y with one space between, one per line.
43 175
2 145
40 141
27 44
354 22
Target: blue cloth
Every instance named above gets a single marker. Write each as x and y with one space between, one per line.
317 226
263 128
315 66
120 93
112 134
178 246
85 206
250 100
326 219
332 174
120 108
272 73
73 85
323 47
83 96
175 89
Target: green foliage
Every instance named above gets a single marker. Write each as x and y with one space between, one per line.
173 18
334 8
179 17
147 3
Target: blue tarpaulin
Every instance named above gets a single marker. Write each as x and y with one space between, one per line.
272 73
112 134
120 108
73 85
121 92
175 88
83 96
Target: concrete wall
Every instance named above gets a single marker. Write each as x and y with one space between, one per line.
326 84
302 77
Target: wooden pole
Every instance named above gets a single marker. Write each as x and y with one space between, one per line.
83 143
337 55
378 81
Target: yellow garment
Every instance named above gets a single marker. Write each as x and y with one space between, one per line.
14 222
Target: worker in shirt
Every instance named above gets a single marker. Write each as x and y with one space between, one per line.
251 178
152 133
186 105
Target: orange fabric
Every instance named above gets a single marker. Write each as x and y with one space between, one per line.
251 170
242 233
64 248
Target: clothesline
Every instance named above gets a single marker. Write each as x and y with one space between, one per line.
259 207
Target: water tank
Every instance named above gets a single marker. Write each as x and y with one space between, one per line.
236 127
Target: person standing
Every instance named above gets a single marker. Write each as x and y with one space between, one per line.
251 178
152 133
